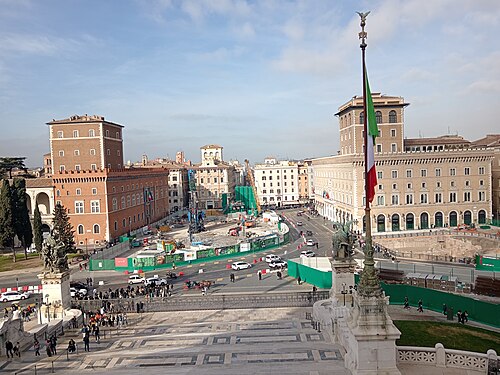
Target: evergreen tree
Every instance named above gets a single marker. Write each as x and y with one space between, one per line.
21 218
37 230
7 164
7 232
63 230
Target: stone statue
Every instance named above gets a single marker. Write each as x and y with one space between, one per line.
342 241
54 255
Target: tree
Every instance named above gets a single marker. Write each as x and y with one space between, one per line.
21 217
37 230
7 232
7 164
62 229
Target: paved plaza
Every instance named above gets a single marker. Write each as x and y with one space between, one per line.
260 341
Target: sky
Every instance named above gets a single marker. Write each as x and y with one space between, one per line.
260 78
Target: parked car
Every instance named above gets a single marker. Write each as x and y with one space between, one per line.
278 264
171 275
155 281
307 254
309 233
14 296
135 279
272 257
74 292
240 266
310 242
77 285
299 223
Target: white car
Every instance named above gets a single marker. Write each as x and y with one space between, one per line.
278 264
240 266
136 279
272 258
14 296
307 254
156 280
77 292
299 223
310 242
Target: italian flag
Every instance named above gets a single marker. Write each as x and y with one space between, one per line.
371 177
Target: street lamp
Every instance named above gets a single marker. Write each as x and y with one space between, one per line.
48 306
344 291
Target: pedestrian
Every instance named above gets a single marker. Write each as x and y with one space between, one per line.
459 316
314 289
406 303
279 275
138 308
317 245
47 348
86 341
142 306
420 306
260 275
299 280
36 347
445 309
97 334
17 350
81 267
232 277
465 316
53 344
8 349
71 346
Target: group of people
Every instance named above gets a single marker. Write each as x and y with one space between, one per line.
12 350
132 292
463 317
406 305
26 312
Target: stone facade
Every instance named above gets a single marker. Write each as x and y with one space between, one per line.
422 183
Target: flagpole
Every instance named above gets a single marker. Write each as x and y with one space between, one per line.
369 284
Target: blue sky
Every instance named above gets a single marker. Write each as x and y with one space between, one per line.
261 78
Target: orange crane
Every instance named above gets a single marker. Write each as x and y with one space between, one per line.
252 184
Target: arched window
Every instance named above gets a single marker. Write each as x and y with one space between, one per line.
97 229
378 117
80 229
393 117
362 118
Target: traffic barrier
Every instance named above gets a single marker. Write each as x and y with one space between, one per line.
254 261
228 266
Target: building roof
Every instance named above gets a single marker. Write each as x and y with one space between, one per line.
442 140
491 140
42 182
379 100
211 146
82 119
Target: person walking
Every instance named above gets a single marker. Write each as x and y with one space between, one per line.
8 349
406 303
53 344
465 316
86 341
36 347
420 306
459 316
445 309
17 350
231 277
260 275
47 348
97 334
299 280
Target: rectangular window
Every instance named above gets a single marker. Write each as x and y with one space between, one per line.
79 207
482 196
409 173
393 133
423 198
77 152
453 197
93 167
379 148
77 167
60 134
380 200
439 198
481 170
94 191
61 152
423 173
394 147
95 207
395 200
394 174
108 152
92 151
453 172
467 196
467 171
78 191
409 198
75 133
62 168
438 172
380 175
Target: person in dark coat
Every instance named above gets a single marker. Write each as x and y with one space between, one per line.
8 348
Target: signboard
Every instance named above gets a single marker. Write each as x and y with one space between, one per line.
244 246
121 262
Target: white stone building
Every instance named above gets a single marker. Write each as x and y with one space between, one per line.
277 182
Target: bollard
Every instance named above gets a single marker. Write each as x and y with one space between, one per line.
67 355
35 369
52 367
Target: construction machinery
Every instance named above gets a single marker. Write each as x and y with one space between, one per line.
252 184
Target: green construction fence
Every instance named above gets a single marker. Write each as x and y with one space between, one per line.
479 311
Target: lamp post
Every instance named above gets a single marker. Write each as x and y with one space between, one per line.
344 291
48 306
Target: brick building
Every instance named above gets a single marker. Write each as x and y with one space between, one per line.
104 200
